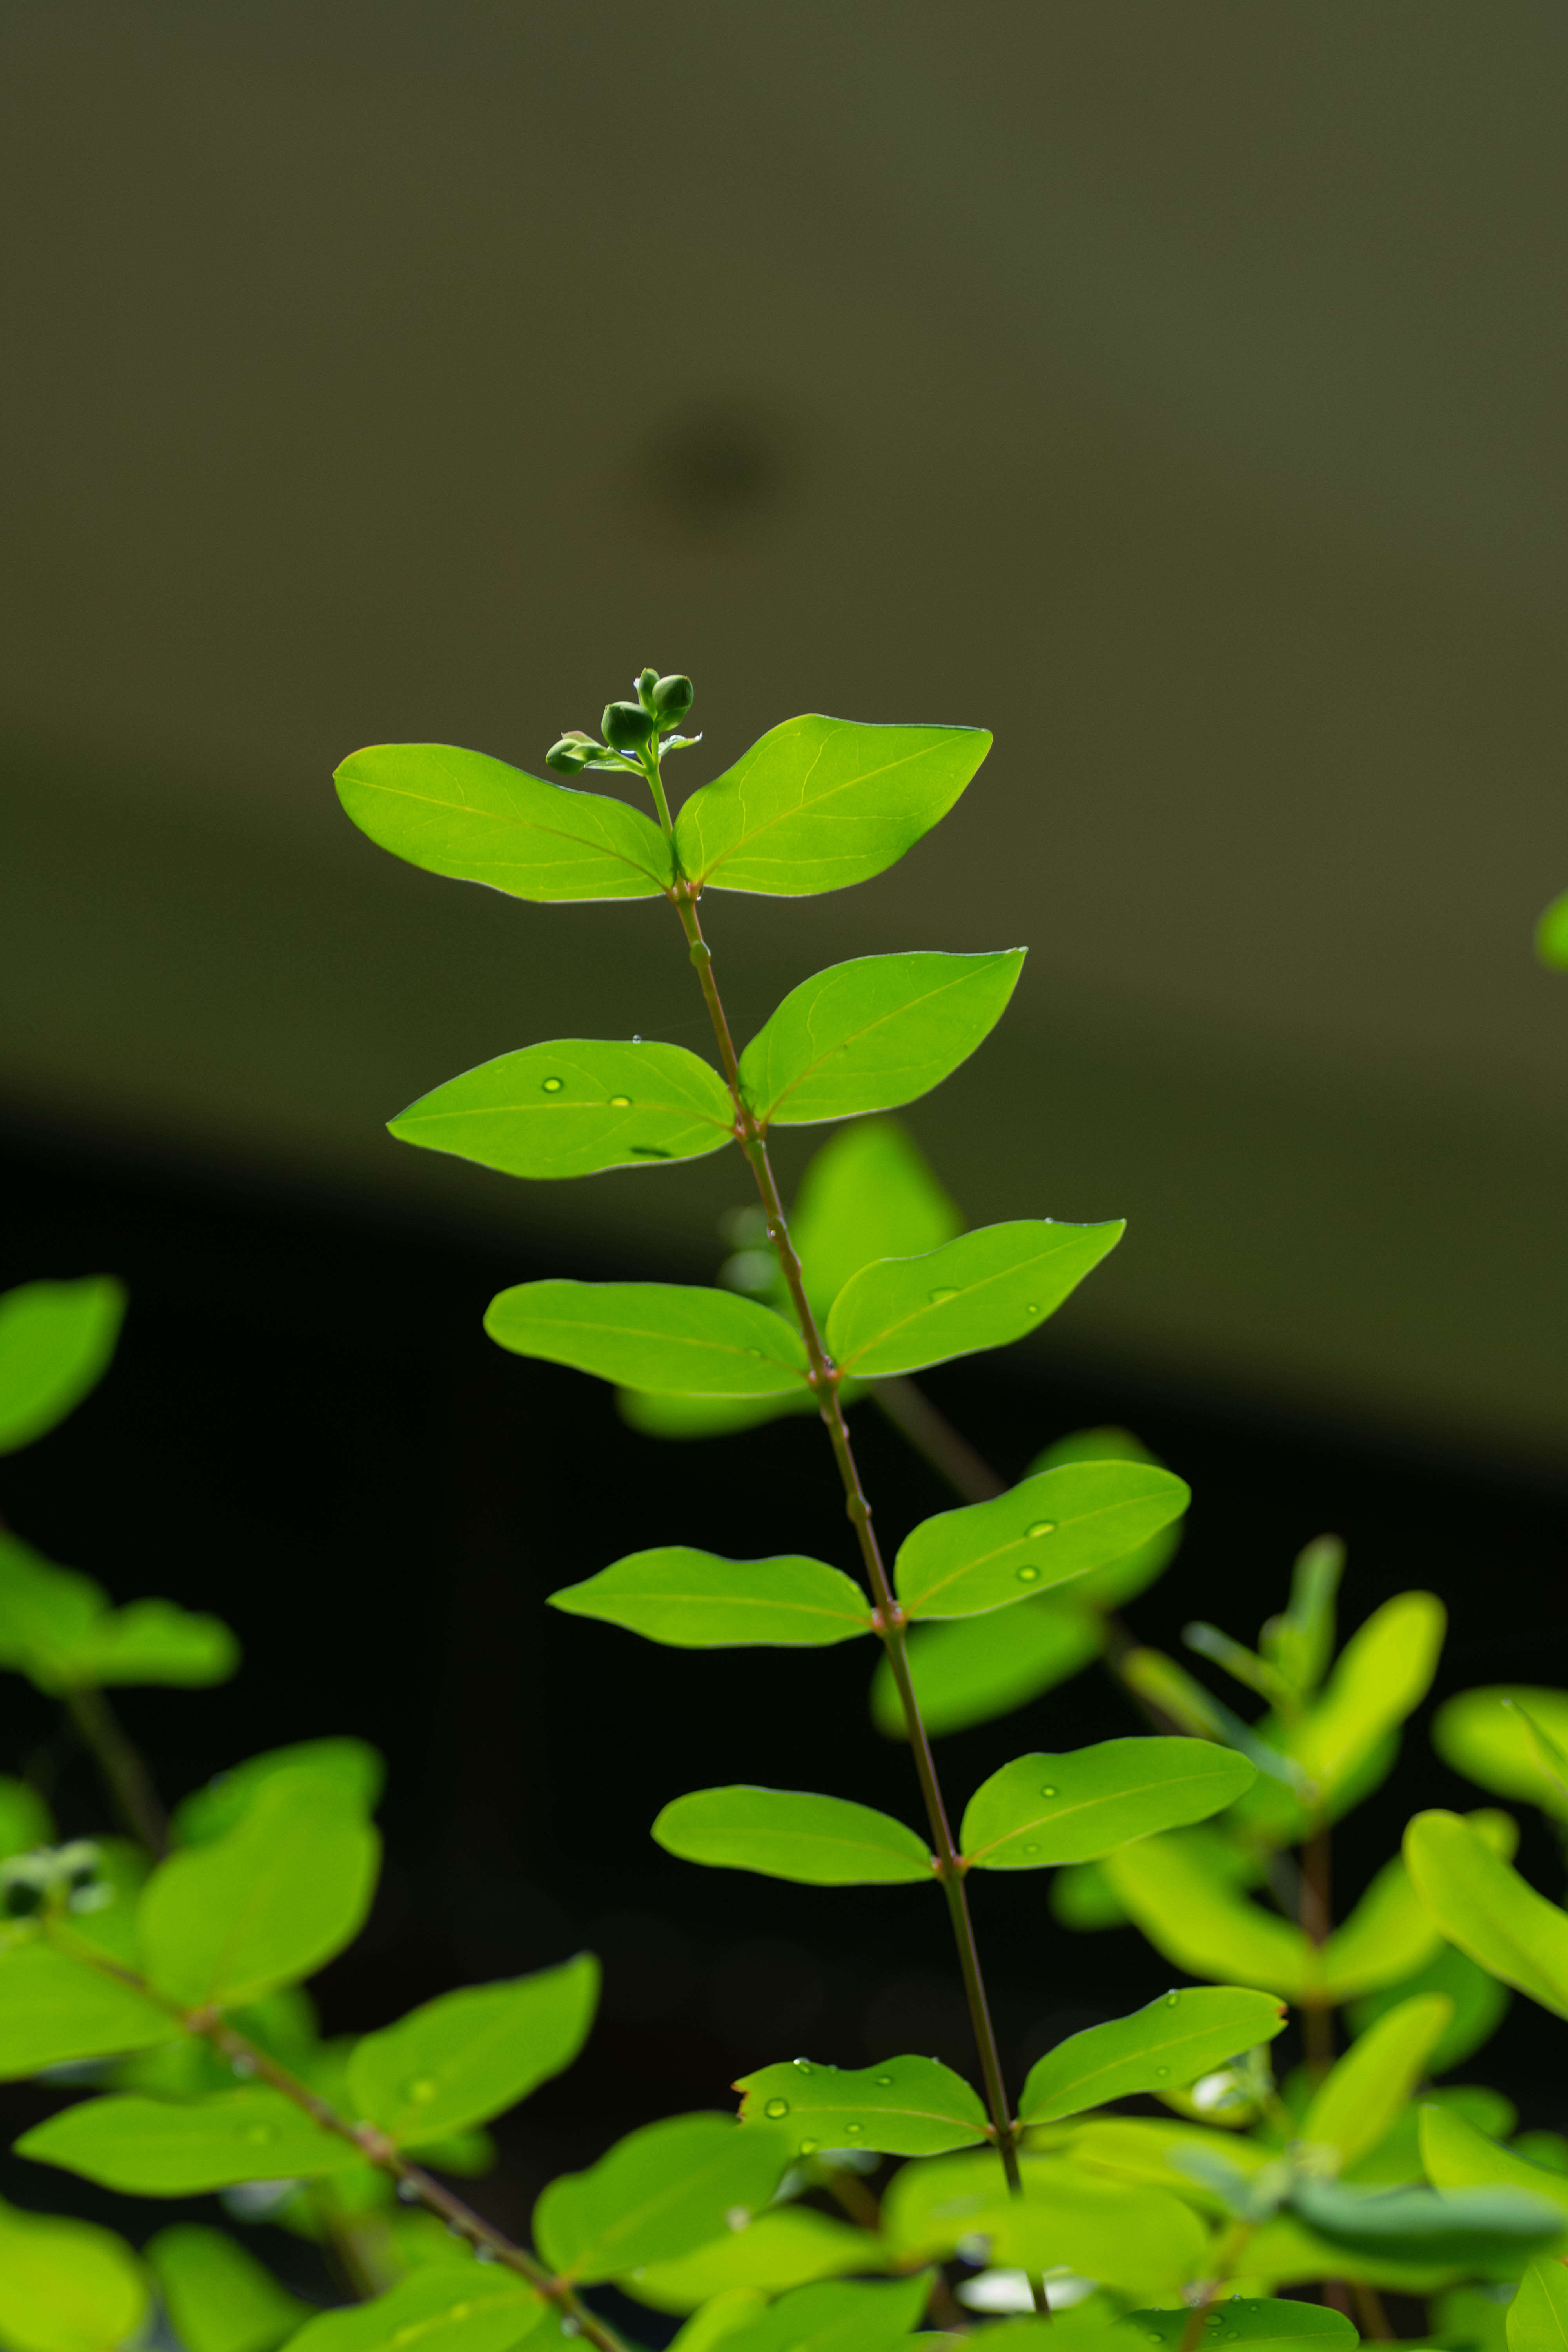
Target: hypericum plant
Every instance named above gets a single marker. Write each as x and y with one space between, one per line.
165 1968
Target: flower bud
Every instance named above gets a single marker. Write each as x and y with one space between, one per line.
626 725
671 699
644 682
569 756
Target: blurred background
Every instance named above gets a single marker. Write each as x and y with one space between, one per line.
1176 391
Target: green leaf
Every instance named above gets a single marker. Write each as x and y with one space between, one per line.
352 1765
1041 1810
56 1343
659 2194
46 1612
1300 1643
218 2297
788 1833
1120 1579
1139 2241
1386 1937
1362 2097
681 1418
25 1818
836 2318
1170 2041
1480 2004
867 1193
1551 934
55 2012
981 1291
1489 1741
1204 1925
466 2056
267 1903
65 2286
1481 1904
873 1034
723 2316
443 2309
573 1107
928 2208
661 1336
1538 2315
1039 1534
905 2106
694 1600
163 2148
970 1669
1464 2227
1382 1673
153 1642
1456 2155
819 804
789 2245
465 815
1243 2319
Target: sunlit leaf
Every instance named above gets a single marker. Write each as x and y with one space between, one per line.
1139 2241
217 2295
166 2147
466 2056
981 1291
1299 1643
1361 2096
867 1193
695 1600
1551 934
1241 2319
57 1628
1489 1741
56 1343
1203 1925
465 815
789 2245
1120 1579
25 1818
445 2309
352 1765
1538 2315
904 2107
659 2194
1385 1938
839 2318
819 804
1481 1904
1382 1673
1041 1810
1047 1529
65 2286
55 2010
873 1034
662 1336
790 1833
1462 2226
1172 2040
722 2317
969 1669
682 1418
573 1107
1456 2155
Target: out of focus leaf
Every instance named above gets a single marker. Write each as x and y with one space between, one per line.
659 2194
65 2286
56 1343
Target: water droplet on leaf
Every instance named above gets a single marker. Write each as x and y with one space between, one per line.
884 2082
1162 2072
1031 1848
1031 1308
620 1102
855 2130
1028 1573
937 1296
424 2087
808 2147
1048 1792
1171 1999
776 2108
738 2217
553 1085
803 2065
1041 1527
260 2134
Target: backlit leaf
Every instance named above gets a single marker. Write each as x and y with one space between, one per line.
352 1765
682 1418
1456 2155
981 1291
1172 2040
1489 1741
166 2147
694 1600
55 2010
789 1834
447 2308
1362 2097
867 1193
1382 1673
722 2317
873 1034
56 1343
153 1642
1481 1904
1204 1925
970 1669
661 1336
465 815
1480 2002
266 1903
1538 2315
65 2286
1387 1935
217 2295
1241 2319
573 1107
1139 2241
819 804
789 2245
836 2318
659 2194
1041 1810
1120 1579
466 2056
1041 1533
905 2106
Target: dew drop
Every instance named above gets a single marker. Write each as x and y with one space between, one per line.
738 2217
884 2082
1171 1999
856 2131
1031 1308
755 1351
1041 1527
1028 1573
637 1041
808 2147
776 2108
423 2088
408 2190
937 1296
1031 1848
258 2135
553 1085
1048 1792
620 1102
1162 2072
803 2065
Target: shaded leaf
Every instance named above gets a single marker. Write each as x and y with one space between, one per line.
65 2286
56 1343
657 2194
836 2318
790 1833
574 1107
789 2245
1041 1533
1363 2095
217 2295
1454 2155
982 1290
1170 2041
1481 1904
694 1600
661 1336
55 2010
904 2107
466 2056
1463 2226
1241 2319
970 1669
873 1034
1140 2241
445 2309
25 1818
153 1642
1387 1935
867 1193
164 2147
1041 1810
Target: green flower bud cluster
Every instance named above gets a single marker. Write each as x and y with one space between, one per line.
629 728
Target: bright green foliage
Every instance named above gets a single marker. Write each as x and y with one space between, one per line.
1454 2155
1140 2241
352 1765
267 1903
1244 2319
472 817
1386 1937
1123 1578
1552 935
867 1195
905 2106
218 2297
1299 1644
1041 1810
1361 2099
23 1818
789 2245
871 1034
1538 2315
1481 1904
57 1628
652 1335
982 1290
1203 1925
819 804
1462 2226
970 1669
1172 2040
1488 1740
440 2310
836 2318
1051 1528
1479 2004
466 2056
65 2286
720 2318
55 2009
56 1343
160 2148
574 1107
1382 1673
789 1834
694 1600
657 2194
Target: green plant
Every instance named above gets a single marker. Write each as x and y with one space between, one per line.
166 1967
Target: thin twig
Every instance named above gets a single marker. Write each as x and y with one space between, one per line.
125 1775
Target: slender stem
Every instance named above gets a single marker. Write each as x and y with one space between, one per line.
930 1432
1228 2255
1371 2318
125 1775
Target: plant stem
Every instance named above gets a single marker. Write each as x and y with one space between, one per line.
889 1617
931 1435
1316 1919
124 1773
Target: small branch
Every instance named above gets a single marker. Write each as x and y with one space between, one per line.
930 1432
124 1774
